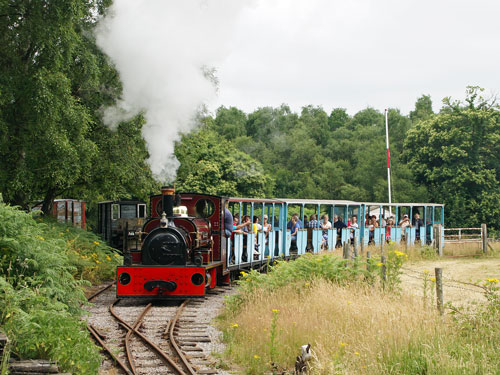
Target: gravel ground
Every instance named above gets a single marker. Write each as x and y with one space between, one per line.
197 318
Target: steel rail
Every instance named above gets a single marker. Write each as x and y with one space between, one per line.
151 344
170 330
100 291
122 365
135 326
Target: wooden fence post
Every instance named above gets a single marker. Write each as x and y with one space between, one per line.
361 244
438 243
368 261
439 289
384 271
382 243
484 238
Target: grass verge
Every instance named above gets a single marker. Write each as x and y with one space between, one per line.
353 325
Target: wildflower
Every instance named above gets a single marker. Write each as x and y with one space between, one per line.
342 344
307 284
116 255
40 238
380 264
348 302
244 274
97 261
108 258
363 366
432 279
235 325
294 323
427 272
276 311
256 356
492 280
356 353
96 243
94 255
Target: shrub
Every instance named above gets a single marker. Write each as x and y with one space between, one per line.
43 268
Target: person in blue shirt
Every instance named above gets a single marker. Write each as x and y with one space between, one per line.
228 222
293 231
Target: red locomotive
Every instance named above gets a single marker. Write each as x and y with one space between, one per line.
182 252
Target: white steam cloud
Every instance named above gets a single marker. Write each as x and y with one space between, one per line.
160 48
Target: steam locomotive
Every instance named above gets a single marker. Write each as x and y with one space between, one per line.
183 251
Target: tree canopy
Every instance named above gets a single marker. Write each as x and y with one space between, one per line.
456 154
53 82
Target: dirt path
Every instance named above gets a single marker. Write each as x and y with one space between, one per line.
463 270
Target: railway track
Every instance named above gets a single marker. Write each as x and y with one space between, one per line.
142 338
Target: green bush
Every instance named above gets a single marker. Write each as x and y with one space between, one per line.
43 269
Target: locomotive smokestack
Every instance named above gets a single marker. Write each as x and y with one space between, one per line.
168 200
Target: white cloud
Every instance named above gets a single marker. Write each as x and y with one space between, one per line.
352 54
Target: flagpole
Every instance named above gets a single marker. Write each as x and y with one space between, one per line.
388 160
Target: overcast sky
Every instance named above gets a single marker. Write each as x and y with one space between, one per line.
360 53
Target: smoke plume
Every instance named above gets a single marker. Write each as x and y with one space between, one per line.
162 49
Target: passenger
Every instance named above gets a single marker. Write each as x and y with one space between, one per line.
368 219
325 225
417 222
404 223
313 223
296 215
293 231
353 224
228 221
371 229
266 227
256 226
339 225
390 223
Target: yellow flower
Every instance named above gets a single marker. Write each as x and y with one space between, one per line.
94 255
40 238
363 366
294 323
97 261
343 344
235 325
256 356
426 271
108 258
380 264
307 284
432 279
96 243
276 311
356 353
67 229
244 274
116 255
348 302
492 280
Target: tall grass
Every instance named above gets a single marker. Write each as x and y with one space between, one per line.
354 327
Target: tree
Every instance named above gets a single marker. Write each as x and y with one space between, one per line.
210 166
423 109
456 153
53 82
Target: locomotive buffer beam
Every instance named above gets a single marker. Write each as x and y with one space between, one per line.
161 285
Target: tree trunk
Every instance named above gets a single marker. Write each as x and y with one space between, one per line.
47 202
